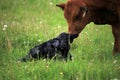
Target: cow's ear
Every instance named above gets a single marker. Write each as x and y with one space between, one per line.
62 6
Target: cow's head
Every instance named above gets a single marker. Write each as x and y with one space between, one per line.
75 12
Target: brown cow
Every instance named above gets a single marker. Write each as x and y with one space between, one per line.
79 13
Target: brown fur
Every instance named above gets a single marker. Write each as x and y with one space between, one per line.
78 13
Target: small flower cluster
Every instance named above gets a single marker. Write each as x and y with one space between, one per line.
4 27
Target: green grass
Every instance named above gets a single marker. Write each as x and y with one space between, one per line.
31 22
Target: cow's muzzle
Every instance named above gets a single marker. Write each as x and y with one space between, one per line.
72 37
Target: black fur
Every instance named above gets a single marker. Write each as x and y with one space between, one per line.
49 49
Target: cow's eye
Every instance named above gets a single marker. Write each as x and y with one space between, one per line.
76 17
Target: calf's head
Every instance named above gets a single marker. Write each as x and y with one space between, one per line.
67 37
75 13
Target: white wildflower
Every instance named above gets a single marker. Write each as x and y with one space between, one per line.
96 30
4 29
112 43
90 40
39 40
5 26
61 73
51 3
24 42
44 59
36 34
47 66
86 32
115 79
97 49
58 26
115 61
41 22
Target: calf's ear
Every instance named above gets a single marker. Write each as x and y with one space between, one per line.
62 6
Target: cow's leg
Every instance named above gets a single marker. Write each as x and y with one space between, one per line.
116 34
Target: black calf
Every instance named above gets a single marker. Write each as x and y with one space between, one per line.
57 46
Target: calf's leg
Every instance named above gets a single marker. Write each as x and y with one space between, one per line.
116 34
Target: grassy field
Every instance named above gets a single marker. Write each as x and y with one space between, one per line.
25 23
